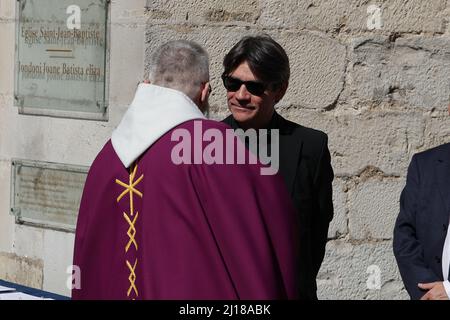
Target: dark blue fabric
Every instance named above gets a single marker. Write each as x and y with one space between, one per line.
33 291
422 223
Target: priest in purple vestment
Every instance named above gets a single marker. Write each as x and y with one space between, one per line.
167 214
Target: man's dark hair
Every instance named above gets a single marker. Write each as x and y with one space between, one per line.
265 57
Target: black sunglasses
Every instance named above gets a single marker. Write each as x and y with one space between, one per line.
234 84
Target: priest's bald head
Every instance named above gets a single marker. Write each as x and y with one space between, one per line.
184 66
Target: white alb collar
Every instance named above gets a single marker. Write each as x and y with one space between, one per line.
154 111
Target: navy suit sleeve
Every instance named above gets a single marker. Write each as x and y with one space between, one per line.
407 247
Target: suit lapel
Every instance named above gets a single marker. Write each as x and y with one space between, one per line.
290 150
443 177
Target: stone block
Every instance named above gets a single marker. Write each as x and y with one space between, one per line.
126 65
385 139
128 12
437 131
58 257
374 207
7 57
339 225
7 10
326 15
352 16
28 241
203 12
348 272
21 270
410 72
318 66
6 219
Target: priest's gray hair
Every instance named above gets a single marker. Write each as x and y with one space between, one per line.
180 64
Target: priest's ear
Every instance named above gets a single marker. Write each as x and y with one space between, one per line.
204 95
206 90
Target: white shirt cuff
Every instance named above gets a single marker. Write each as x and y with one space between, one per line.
447 288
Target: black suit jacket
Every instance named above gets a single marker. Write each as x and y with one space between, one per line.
422 223
305 166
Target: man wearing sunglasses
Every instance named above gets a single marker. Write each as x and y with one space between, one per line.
256 76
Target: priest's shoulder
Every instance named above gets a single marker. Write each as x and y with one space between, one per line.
105 156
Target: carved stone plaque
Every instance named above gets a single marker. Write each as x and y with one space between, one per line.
62 58
47 194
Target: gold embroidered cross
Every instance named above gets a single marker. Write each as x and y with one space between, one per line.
132 278
130 188
131 231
